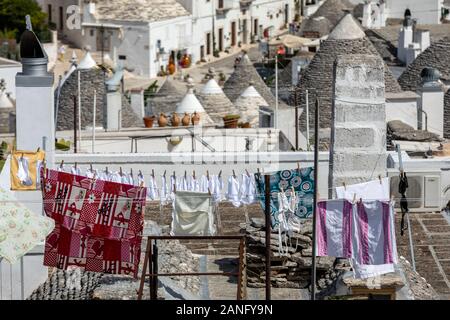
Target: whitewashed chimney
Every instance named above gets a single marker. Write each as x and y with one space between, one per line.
137 102
431 102
114 102
422 37
405 39
35 118
412 53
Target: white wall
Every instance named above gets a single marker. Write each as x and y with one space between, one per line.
403 110
8 72
425 11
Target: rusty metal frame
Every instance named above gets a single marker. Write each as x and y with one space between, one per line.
151 262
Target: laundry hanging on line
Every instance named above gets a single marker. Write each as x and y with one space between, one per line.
25 169
378 189
240 190
98 224
20 228
363 232
302 180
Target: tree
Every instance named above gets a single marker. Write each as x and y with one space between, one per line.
13 12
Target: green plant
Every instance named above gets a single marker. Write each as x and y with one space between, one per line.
231 117
216 53
8 34
222 76
63 145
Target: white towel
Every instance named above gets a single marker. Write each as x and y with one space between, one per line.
233 191
372 190
192 214
23 173
152 189
75 170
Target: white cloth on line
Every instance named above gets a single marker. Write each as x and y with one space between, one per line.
165 189
91 173
23 171
152 189
192 214
372 190
75 170
233 191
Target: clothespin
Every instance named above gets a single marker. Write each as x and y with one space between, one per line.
379 177
153 173
131 172
257 170
90 166
220 173
75 165
120 171
345 185
164 175
248 174
207 175
174 174
185 174
234 174
193 174
21 157
61 165
298 167
107 171
38 149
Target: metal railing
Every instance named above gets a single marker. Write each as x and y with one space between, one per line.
151 262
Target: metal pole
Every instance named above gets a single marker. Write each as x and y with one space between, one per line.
75 146
93 121
276 89
307 121
316 198
268 232
411 247
154 292
79 104
22 284
296 120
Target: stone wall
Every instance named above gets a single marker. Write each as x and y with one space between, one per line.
8 120
447 115
358 133
291 269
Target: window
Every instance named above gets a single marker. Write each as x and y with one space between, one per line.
92 32
61 18
220 4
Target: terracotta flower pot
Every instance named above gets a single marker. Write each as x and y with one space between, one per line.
162 121
176 120
186 119
148 121
196 119
230 123
246 125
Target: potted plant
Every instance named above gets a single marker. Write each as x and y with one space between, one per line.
244 125
148 121
231 121
222 78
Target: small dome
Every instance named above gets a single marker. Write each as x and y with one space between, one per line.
430 75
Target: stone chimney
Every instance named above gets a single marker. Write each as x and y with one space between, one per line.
114 102
358 132
137 102
35 118
431 102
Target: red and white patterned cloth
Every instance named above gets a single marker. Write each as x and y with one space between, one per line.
98 224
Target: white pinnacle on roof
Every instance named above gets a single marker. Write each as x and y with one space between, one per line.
347 29
212 87
87 62
190 105
250 92
5 101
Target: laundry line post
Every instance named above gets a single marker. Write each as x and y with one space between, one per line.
268 232
316 197
93 121
75 116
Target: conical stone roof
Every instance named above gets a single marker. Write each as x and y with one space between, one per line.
190 104
437 56
245 74
317 78
248 105
326 17
215 102
166 99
